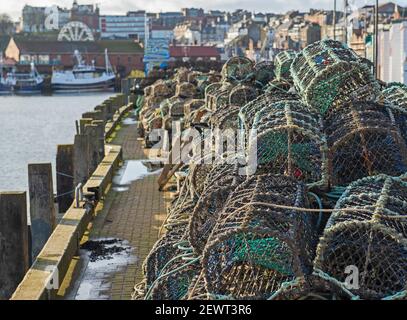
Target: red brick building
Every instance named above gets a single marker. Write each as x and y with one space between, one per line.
197 53
124 55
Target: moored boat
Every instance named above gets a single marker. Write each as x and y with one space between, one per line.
84 77
22 83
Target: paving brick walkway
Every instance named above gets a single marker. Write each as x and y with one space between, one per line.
135 216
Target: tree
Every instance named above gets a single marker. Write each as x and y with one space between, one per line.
6 25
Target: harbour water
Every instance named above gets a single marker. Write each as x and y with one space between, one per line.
32 127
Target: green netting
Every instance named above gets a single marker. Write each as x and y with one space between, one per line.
327 73
283 62
368 231
258 251
290 141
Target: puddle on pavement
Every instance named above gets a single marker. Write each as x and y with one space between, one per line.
133 170
129 121
104 257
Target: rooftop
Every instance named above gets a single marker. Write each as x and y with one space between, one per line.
58 47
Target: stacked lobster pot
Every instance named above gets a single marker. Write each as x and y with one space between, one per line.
328 74
248 111
317 195
264 73
283 63
363 141
289 140
155 94
396 98
366 236
172 264
253 247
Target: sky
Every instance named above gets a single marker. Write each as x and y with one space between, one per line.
14 7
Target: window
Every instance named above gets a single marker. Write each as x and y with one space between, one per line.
25 59
43 59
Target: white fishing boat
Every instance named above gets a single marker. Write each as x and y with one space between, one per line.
84 77
23 83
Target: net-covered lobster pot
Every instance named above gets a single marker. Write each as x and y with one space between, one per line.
162 89
181 75
254 247
278 86
190 107
217 95
396 96
283 63
185 90
226 118
173 285
220 182
327 73
367 230
362 142
310 287
264 73
238 70
248 111
242 94
162 252
290 141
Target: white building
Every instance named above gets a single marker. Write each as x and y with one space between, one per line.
160 32
392 56
132 25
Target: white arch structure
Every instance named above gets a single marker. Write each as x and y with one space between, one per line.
75 31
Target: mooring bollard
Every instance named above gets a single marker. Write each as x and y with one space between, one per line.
91 131
64 174
83 122
103 109
13 241
81 159
42 207
100 133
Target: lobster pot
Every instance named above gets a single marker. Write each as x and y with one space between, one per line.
276 86
238 70
193 105
399 114
148 91
289 141
185 90
382 197
226 118
362 142
197 289
176 109
311 287
242 94
248 111
162 89
175 281
221 180
327 74
192 77
370 234
209 91
283 63
181 75
152 102
254 248
198 174
397 97
264 73
162 252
